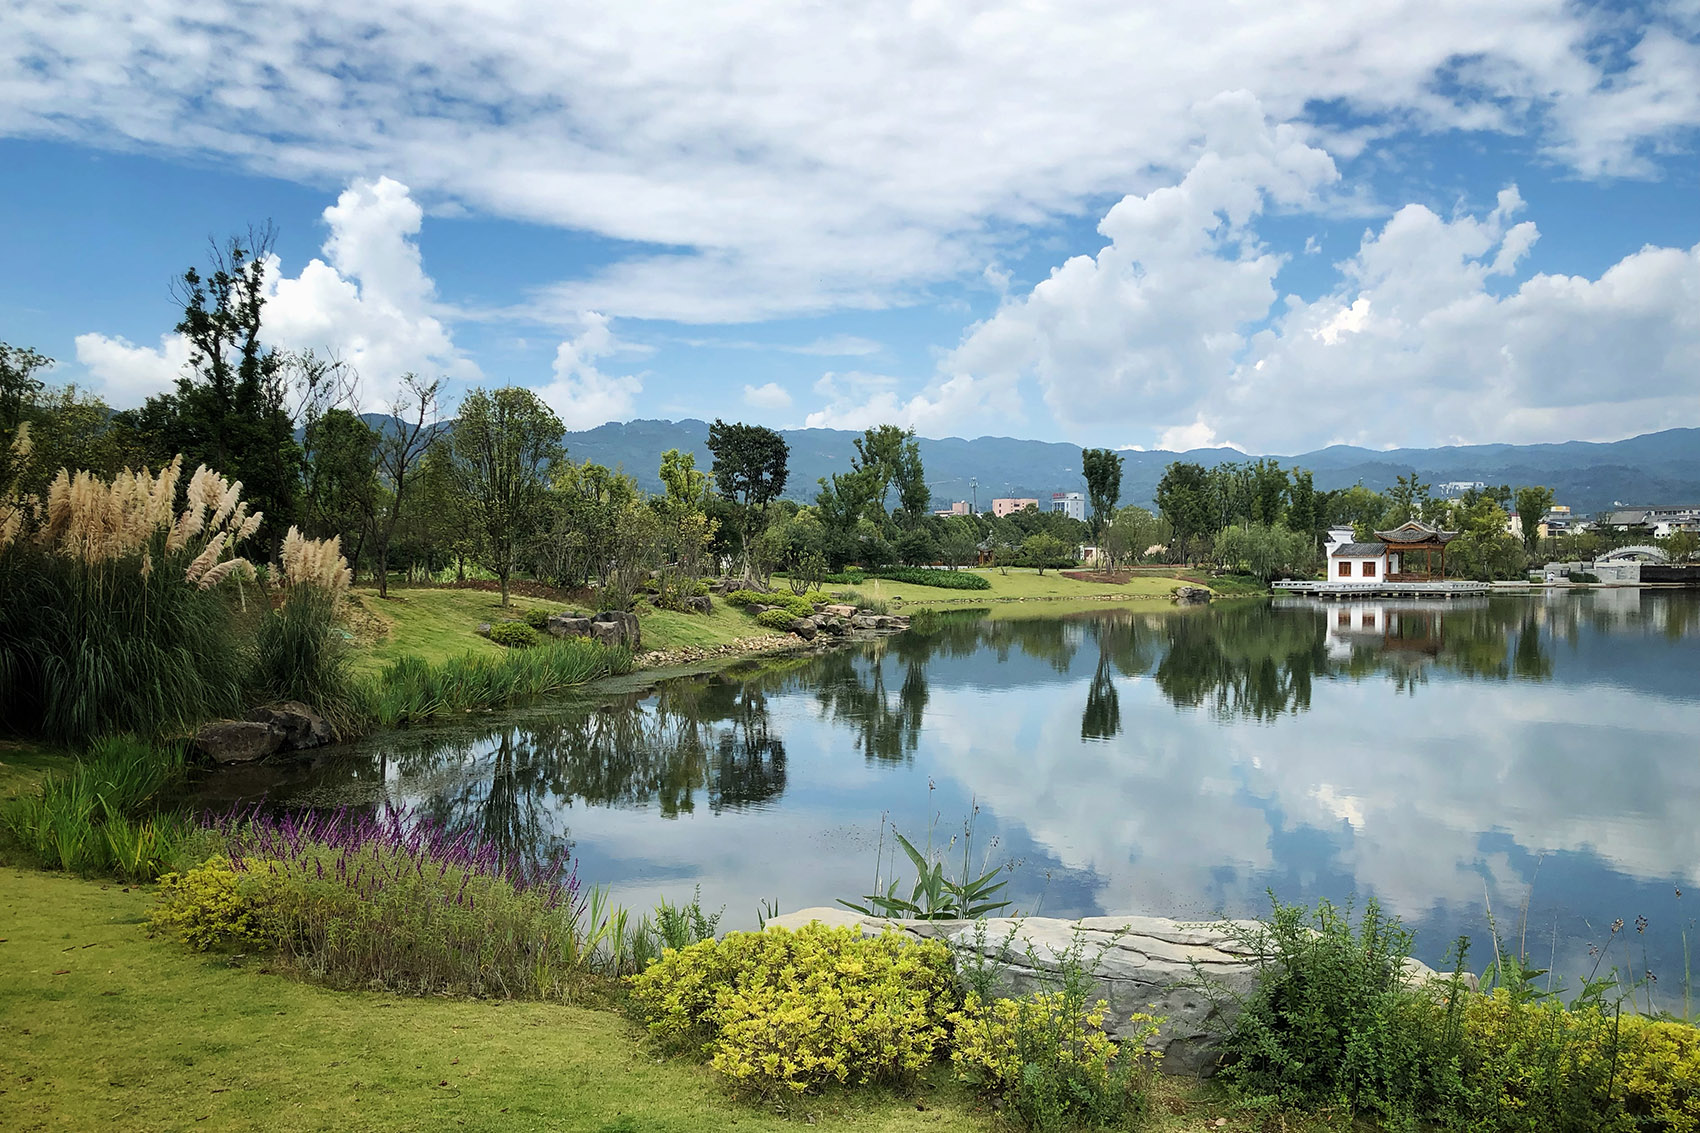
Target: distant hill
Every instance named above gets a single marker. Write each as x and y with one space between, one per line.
1655 468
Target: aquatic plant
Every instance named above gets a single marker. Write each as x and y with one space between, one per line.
411 689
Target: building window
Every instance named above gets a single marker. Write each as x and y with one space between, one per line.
1369 570
1345 570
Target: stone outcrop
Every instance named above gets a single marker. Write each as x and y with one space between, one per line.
804 628
839 611
1191 595
302 727
238 741
699 604
568 625
1149 965
610 627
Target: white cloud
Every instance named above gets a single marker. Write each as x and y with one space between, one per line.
817 157
372 305
772 395
127 375
841 345
581 394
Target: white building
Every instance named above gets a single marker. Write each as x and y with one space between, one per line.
1071 503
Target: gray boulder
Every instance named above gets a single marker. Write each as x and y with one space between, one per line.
483 629
699 604
1191 595
302 728
864 621
626 630
568 625
238 741
804 628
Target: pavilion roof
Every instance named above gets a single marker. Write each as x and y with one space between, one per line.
1416 531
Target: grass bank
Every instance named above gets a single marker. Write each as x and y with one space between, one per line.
1024 584
102 1028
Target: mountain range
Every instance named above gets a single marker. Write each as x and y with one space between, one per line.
1652 469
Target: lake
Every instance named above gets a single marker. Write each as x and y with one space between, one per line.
1503 752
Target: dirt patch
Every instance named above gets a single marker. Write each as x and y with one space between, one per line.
1106 577
367 626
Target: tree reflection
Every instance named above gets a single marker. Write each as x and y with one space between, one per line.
852 688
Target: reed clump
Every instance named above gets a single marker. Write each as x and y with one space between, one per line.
299 652
118 617
411 689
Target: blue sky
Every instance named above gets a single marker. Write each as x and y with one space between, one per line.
1279 228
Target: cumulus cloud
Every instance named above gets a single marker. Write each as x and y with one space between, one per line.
771 395
1176 331
824 156
580 393
371 304
127 375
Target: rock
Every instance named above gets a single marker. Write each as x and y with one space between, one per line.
864 621
568 625
804 628
483 629
302 728
627 631
238 741
699 604
1139 964
839 611
1191 595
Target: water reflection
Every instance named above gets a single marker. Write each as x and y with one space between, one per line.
1170 762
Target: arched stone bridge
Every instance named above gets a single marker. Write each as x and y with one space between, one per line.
1640 552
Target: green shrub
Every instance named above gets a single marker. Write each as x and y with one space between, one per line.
793 1011
514 635
920 576
1659 1068
1582 576
1047 1059
1534 1067
206 909
776 619
537 619
1334 1021
743 597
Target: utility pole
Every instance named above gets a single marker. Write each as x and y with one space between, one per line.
974 492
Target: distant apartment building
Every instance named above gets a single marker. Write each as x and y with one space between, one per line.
1072 504
1010 506
1661 521
960 507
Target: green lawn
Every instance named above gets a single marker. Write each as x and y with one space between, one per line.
436 624
1019 583
22 766
102 1028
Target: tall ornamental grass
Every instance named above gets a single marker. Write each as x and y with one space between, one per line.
93 819
411 689
114 618
299 653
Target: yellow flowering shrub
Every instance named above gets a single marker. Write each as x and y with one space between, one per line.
1660 1071
1049 1060
205 908
797 1010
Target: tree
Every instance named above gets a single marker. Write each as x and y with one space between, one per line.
228 411
1043 549
915 547
1132 532
341 489
1268 483
891 456
18 383
960 543
686 527
505 446
1183 498
401 451
1103 471
1302 513
749 469
839 506
1532 504
1405 501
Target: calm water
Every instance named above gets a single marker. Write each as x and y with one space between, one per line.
1540 749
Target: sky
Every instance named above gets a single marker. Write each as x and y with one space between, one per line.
1274 226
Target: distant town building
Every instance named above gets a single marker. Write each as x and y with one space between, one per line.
1009 506
1660 521
960 507
1556 522
1452 489
1072 504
